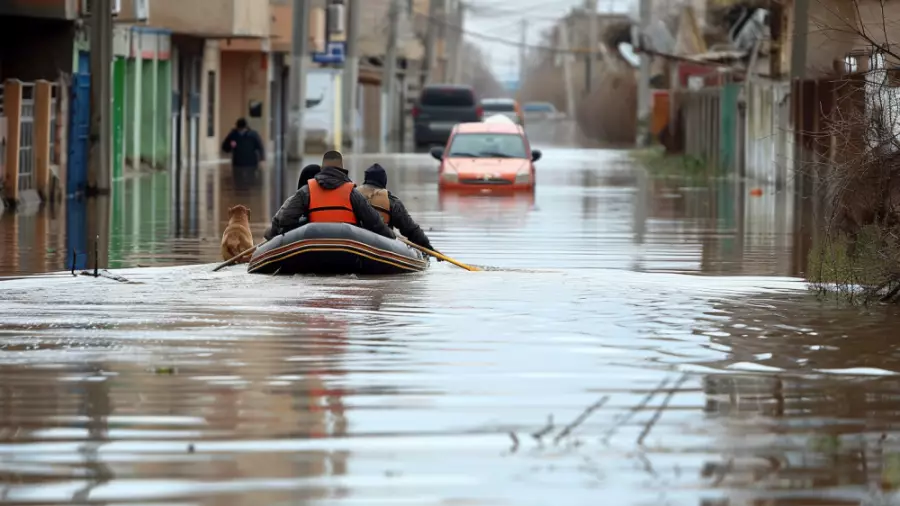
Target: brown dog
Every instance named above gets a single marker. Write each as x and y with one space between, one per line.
237 237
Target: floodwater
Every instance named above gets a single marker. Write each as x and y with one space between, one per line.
643 343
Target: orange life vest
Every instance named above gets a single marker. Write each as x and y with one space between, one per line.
378 198
330 206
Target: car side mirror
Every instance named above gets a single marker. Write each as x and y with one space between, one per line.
437 153
535 155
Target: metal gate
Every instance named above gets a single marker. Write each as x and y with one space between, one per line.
2 140
54 126
79 127
26 139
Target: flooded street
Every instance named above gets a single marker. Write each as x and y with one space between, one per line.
637 342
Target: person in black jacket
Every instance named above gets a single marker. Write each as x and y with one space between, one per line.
390 207
308 173
246 149
332 176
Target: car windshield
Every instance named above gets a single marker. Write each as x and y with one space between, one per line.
539 107
486 145
498 107
447 97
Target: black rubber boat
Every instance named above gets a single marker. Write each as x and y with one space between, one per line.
335 248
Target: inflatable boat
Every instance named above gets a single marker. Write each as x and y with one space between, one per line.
335 248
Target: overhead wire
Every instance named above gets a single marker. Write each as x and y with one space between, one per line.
492 38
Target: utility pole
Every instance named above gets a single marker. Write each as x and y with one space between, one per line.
389 78
430 41
459 42
299 54
644 96
800 39
566 54
523 52
591 7
351 72
100 153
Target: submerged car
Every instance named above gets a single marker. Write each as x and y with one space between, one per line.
490 155
541 111
439 108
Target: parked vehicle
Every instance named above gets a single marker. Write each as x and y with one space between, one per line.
441 107
506 106
541 111
491 155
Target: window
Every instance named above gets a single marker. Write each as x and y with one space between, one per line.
447 97
211 103
498 106
539 107
487 146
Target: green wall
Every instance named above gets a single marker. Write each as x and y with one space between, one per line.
164 112
130 99
148 100
728 110
118 117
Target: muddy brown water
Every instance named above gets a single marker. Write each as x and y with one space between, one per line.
644 342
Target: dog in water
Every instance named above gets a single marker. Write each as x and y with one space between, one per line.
237 237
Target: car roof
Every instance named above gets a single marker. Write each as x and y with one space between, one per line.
542 104
489 128
510 101
438 86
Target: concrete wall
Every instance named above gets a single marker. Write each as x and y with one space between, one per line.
32 48
212 18
245 78
210 146
834 30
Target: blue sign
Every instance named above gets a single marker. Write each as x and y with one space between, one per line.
334 53
512 85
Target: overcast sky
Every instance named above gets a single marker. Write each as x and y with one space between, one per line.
503 19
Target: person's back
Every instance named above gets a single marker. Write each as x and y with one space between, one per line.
379 198
330 197
390 207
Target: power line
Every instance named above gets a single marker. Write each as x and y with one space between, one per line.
500 40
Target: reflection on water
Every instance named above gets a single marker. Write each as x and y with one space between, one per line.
598 370
590 210
197 386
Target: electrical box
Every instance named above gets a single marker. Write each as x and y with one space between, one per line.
86 7
141 10
336 19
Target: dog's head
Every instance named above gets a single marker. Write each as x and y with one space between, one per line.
238 211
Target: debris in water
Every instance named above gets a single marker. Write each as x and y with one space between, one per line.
581 418
515 440
165 370
662 407
105 274
546 430
190 448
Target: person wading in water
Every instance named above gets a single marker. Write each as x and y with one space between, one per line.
247 151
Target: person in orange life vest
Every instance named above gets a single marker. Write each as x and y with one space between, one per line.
329 197
390 207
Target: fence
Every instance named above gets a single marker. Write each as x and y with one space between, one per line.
767 139
54 126
26 139
32 139
741 129
701 124
2 141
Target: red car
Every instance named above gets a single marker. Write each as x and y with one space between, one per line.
492 155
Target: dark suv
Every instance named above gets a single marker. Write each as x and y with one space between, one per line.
439 108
